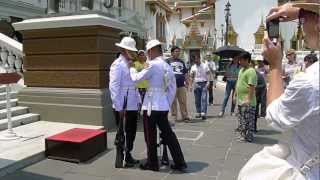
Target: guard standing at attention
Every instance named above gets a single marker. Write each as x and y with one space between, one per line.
121 86
156 105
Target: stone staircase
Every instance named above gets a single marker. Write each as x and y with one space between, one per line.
20 115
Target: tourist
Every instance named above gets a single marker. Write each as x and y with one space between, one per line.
199 75
296 108
230 76
181 73
246 98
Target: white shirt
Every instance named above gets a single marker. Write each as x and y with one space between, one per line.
298 109
291 70
200 72
156 94
120 83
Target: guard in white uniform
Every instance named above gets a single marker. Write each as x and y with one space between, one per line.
156 105
121 85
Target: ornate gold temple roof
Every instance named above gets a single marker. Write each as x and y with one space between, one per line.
186 3
258 35
193 39
297 39
194 29
160 3
232 35
201 16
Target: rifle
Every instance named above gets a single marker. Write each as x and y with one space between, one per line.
120 137
165 158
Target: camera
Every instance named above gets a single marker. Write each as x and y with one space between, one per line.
273 29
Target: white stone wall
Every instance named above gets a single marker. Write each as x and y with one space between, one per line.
150 23
38 3
176 27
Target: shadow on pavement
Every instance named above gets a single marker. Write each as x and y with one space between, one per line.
267 132
264 140
28 175
215 116
96 157
196 120
196 166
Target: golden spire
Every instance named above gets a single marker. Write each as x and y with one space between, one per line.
194 29
299 33
258 35
293 41
300 38
294 37
232 35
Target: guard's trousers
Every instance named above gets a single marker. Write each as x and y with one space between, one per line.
160 119
130 127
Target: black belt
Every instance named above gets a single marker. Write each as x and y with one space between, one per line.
201 82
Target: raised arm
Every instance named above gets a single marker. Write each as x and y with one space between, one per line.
140 76
273 54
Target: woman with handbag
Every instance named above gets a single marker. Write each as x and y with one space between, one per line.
296 108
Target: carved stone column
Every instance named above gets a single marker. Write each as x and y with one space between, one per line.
67 64
86 4
53 6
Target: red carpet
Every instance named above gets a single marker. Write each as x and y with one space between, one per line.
76 145
76 135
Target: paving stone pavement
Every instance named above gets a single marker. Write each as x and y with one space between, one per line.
210 149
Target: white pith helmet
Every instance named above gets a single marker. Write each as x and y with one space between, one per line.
127 43
152 43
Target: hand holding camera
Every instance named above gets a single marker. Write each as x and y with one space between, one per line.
272 52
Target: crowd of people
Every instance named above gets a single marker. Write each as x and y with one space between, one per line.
156 86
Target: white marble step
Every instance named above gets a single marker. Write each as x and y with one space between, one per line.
3 103
15 111
2 88
13 95
19 153
19 120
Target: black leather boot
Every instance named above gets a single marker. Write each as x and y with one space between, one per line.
130 161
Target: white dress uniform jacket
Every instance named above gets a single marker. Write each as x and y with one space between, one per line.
157 96
298 109
120 83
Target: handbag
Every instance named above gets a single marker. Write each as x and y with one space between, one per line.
270 164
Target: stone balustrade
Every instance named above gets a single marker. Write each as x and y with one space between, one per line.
55 6
10 55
